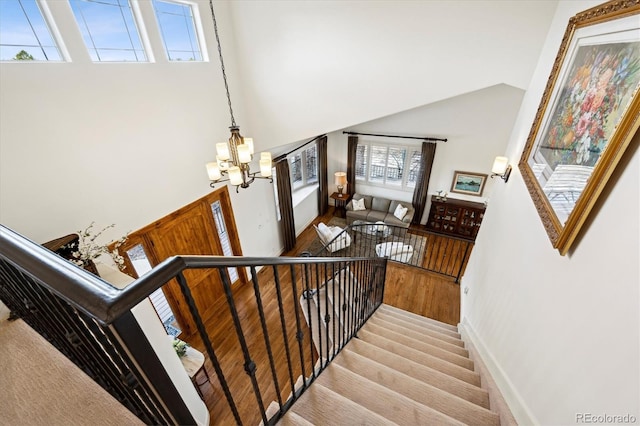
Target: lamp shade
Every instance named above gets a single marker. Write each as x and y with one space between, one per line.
222 149
500 165
214 171
244 154
235 176
265 155
340 178
265 167
249 142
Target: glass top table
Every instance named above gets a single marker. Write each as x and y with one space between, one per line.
378 230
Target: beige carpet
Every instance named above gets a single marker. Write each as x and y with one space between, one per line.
40 386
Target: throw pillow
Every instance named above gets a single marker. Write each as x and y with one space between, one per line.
400 212
358 205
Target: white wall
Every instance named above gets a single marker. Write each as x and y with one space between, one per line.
127 143
561 334
119 143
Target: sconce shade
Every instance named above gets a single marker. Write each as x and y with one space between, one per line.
501 168
340 178
500 165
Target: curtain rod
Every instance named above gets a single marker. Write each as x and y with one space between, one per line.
397 136
282 156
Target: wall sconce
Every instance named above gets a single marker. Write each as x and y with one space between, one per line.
501 168
341 181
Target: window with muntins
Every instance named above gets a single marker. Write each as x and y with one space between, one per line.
178 29
303 166
25 34
388 165
109 30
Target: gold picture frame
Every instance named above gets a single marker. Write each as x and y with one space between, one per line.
587 117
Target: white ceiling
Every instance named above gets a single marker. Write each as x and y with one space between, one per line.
311 67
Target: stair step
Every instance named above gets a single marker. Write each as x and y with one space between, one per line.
322 406
293 419
430 396
427 348
420 372
420 336
392 310
420 357
434 331
379 399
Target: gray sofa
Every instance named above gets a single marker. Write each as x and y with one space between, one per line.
379 209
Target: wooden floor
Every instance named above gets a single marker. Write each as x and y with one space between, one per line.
406 287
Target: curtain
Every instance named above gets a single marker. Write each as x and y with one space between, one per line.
323 178
352 148
287 223
422 183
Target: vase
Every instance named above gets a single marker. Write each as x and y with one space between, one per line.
89 265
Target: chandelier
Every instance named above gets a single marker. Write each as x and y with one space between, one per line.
234 157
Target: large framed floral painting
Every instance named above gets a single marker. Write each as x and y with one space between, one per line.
587 117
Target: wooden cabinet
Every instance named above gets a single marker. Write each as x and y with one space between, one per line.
455 217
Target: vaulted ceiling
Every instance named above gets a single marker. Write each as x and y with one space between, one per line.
310 67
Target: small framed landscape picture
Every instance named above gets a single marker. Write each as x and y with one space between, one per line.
468 183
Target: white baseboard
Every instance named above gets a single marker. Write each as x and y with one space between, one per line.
518 407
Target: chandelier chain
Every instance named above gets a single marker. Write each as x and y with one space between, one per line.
224 74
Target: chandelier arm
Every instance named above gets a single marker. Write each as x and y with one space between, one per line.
224 74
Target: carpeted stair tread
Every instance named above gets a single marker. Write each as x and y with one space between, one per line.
379 399
427 348
420 357
322 406
417 335
392 310
293 419
434 331
450 405
421 372
40 386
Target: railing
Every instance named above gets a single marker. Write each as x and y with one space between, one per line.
90 322
445 255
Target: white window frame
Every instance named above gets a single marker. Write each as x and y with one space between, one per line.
404 186
304 170
45 12
140 29
199 32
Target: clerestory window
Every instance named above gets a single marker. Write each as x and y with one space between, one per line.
178 28
25 34
109 30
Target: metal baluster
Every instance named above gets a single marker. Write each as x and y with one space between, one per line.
299 332
317 288
283 324
327 316
127 330
265 333
186 292
307 278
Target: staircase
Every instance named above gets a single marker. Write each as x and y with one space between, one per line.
401 369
